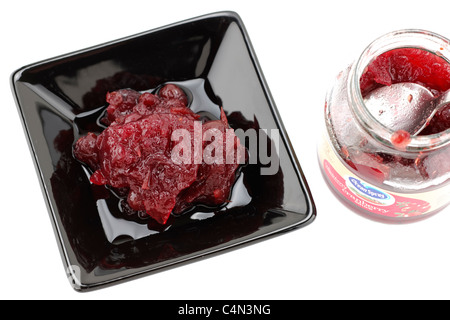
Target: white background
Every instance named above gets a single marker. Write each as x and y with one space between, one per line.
301 46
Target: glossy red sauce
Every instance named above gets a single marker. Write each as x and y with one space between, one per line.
134 153
412 65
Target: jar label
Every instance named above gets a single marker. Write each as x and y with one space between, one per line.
375 199
366 191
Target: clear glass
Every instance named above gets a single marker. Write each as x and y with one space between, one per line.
357 155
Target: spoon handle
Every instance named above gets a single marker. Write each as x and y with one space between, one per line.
441 101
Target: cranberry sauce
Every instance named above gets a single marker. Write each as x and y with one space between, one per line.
129 151
412 65
395 66
395 168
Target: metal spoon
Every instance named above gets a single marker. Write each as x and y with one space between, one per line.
405 106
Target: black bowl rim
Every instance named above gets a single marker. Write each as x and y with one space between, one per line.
311 208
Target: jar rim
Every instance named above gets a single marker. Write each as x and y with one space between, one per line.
414 38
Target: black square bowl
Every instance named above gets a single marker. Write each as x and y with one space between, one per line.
60 99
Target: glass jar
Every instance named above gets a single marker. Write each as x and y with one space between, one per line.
360 157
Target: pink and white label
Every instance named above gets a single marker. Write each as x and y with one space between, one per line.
374 199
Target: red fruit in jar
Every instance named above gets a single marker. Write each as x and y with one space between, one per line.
368 165
416 66
440 122
401 138
135 153
407 65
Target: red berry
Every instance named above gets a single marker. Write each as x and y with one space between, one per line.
149 99
400 138
171 91
440 122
